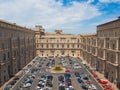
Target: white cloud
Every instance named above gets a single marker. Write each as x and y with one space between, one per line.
90 1
109 1
49 13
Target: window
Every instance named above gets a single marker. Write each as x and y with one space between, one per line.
113 46
52 46
37 45
62 52
115 34
8 55
3 46
0 34
57 45
4 78
37 41
4 56
62 40
47 46
67 46
42 46
62 45
73 54
73 46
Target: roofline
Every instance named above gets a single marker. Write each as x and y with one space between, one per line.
108 22
14 24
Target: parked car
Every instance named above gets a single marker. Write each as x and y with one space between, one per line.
61 78
84 86
77 66
92 86
27 85
77 74
61 87
71 88
50 77
67 76
79 80
68 82
49 83
38 88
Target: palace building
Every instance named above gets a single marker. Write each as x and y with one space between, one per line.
56 43
102 51
17 49
19 45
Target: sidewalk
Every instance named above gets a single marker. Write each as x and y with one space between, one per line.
112 84
114 87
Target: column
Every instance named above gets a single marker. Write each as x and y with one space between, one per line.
117 44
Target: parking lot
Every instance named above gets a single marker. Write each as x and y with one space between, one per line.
38 76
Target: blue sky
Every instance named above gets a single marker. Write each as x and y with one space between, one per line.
72 16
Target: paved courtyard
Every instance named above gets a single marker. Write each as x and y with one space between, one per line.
40 70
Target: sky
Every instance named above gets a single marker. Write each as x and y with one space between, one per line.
71 16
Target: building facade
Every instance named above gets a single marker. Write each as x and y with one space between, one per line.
56 43
102 51
17 48
109 35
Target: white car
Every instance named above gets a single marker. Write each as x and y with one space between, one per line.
77 66
92 86
64 64
47 88
38 88
27 85
70 88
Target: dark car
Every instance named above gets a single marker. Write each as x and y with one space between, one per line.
84 86
50 77
68 82
61 87
79 80
61 78
49 83
77 74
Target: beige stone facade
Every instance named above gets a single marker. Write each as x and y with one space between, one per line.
102 51
109 34
16 49
56 43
